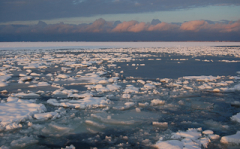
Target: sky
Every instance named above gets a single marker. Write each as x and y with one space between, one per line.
119 20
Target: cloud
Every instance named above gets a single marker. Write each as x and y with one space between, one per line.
134 26
123 31
202 25
22 10
194 25
99 25
163 27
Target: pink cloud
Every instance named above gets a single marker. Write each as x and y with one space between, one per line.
134 26
103 26
163 27
201 25
99 25
194 25
124 27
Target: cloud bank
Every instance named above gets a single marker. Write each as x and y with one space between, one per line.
22 10
192 30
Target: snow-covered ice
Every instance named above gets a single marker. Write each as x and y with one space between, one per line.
16 110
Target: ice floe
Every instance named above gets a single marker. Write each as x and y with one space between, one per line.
81 103
231 139
23 142
192 138
202 78
18 111
236 117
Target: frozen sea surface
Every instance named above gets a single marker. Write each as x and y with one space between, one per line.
120 95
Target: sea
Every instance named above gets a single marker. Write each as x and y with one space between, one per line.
112 95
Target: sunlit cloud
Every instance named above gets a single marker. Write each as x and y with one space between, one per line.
201 25
101 25
102 29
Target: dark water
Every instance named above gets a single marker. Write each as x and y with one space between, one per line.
167 68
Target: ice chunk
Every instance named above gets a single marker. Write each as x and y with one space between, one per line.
112 65
16 111
165 80
113 121
13 126
5 77
231 139
126 96
207 132
190 133
12 99
148 86
216 125
236 117
143 104
3 84
54 129
204 142
80 95
35 74
235 103
202 78
156 102
81 103
113 87
187 87
160 124
24 79
40 84
216 90
45 116
43 84
141 81
4 147
204 86
138 110
95 124
192 138
129 104
103 82
62 76
113 79
236 87
69 147
171 144
131 89
31 66
214 137
26 95
92 78
23 142
49 75
99 86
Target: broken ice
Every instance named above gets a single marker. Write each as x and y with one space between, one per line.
146 95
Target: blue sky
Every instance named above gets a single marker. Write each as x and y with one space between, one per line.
87 11
213 13
118 16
